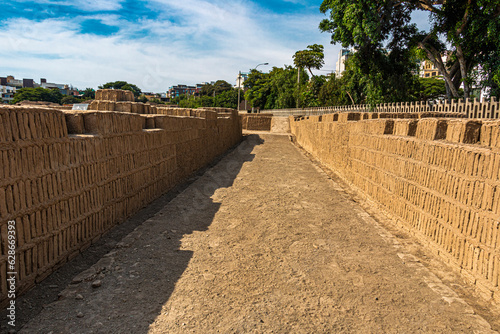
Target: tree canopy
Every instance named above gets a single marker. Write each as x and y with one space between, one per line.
311 58
225 99
122 85
471 28
88 94
37 94
218 87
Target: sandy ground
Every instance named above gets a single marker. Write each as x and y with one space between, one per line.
264 242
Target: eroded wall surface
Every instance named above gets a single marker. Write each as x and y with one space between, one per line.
438 177
256 122
67 177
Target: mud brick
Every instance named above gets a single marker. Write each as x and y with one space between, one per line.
490 133
3 279
405 127
75 123
91 123
9 199
14 126
5 134
22 120
4 165
3 202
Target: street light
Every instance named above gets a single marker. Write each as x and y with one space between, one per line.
260 64
239 84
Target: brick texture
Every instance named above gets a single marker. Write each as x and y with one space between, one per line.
256 122
438 177
67 177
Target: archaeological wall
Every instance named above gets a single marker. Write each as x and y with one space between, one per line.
67 177
439 178
256 122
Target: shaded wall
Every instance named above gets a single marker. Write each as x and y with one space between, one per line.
439 178
67 177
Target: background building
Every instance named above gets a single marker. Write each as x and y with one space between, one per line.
7 93
340 65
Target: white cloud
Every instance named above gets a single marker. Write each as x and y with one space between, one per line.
193 41
86 5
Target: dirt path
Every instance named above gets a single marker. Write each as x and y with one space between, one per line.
264 242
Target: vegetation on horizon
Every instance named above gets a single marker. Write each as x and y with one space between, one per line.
50 95
387 43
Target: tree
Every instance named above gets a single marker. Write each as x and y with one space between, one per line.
312 57
274 90
89 94
227 99
430 89
122 85
470 27
37 94
70 99
258 89
142 98
218 87
333 93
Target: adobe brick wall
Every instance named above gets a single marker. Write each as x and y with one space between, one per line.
256 122
66 177
437 177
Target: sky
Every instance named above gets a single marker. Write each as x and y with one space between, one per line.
155 44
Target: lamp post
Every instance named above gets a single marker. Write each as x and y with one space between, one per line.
260 64
239 83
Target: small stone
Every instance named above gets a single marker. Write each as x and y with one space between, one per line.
53 286
78 297
96 283
79 315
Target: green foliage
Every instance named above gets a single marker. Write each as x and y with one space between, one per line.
472 28
226 99
142 98
430 89
276 89
312 57
218 87
88 94
374 74
333 93
122 85
37 94
157 101
380 77
70 99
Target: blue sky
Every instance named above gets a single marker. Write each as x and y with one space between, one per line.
154 43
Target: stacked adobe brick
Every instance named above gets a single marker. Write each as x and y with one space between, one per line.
66 177
437 177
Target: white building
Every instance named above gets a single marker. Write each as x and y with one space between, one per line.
240 80
340 65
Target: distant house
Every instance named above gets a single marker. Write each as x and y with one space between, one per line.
7 93
428 70
30 83
178 90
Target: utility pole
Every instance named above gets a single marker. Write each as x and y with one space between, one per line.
298 86
239 90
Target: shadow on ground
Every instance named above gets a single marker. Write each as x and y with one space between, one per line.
143 261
